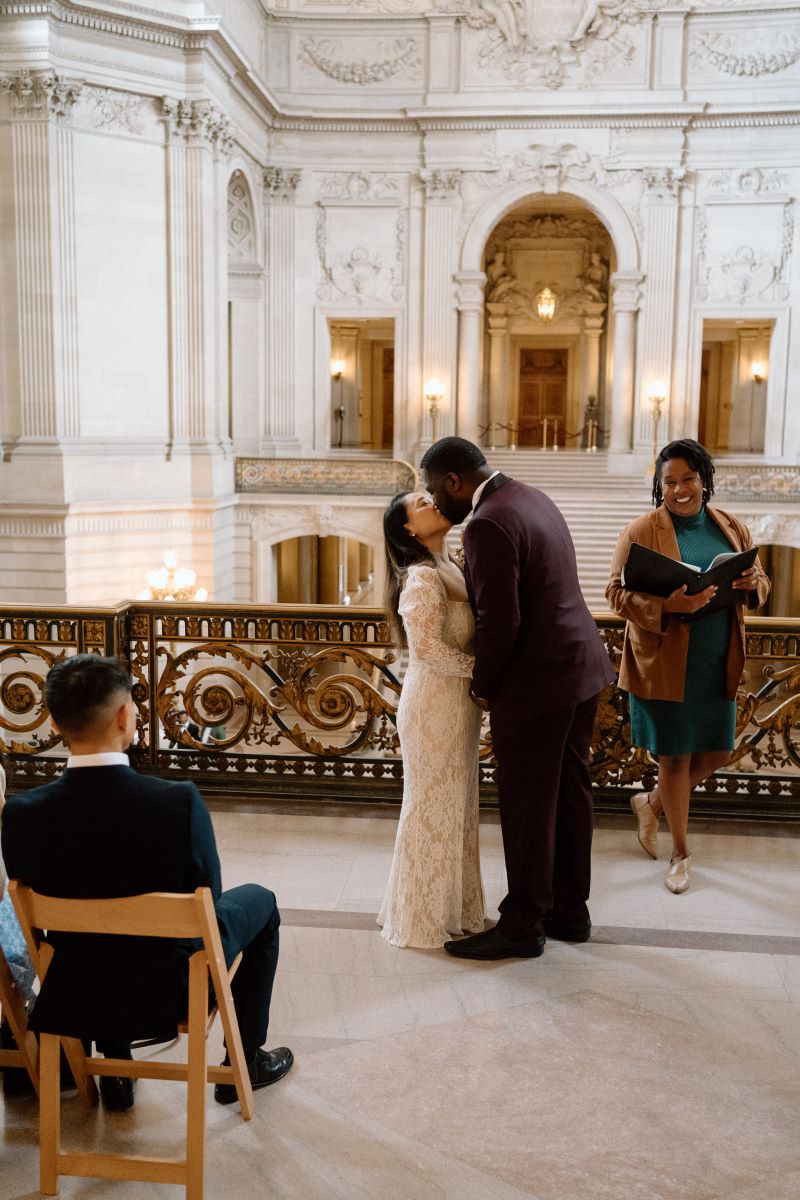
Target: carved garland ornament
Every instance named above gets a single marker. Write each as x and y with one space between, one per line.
398 54
769 55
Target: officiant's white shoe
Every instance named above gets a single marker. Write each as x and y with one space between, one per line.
647 822
677 879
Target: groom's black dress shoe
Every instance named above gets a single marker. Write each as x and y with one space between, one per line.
561 931
492 944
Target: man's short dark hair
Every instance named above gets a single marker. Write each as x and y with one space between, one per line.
78 690
452 454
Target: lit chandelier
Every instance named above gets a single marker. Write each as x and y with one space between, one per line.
172 582
546 305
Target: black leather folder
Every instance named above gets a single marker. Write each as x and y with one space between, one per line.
657 575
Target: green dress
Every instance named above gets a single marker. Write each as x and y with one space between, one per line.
705 719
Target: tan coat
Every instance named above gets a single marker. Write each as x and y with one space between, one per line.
655 646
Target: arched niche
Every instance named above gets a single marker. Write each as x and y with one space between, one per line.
244 315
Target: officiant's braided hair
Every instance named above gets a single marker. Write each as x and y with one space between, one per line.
698 459
402 551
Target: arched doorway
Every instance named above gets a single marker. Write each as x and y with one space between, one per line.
618 277
546 319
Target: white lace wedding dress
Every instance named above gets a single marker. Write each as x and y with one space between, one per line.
434 889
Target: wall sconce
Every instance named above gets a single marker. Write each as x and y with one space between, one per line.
434 393
759 371
546 305
657 395
337 369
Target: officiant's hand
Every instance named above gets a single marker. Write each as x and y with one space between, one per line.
679 602
748 580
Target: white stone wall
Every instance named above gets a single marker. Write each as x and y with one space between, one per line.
377 144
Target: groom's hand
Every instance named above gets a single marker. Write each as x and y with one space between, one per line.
480 703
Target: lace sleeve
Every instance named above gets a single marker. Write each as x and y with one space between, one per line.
423 606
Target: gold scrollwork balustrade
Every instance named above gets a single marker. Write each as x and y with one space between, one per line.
302 701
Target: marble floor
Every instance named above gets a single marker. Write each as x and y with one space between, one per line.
657 1062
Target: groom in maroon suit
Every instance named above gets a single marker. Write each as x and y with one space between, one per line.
539 668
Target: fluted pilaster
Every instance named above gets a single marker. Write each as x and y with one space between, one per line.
280 187
658 312
439 317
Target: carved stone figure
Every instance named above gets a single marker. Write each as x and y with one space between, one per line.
499 279
595 279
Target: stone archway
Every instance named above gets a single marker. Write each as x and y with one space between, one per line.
625 286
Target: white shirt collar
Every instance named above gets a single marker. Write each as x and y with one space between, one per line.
476 495
106 758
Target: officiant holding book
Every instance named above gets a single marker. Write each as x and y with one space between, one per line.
681 666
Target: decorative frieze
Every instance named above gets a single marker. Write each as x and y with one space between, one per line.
360 186
343 476
116 110
778 483
751 181
748 55
392 55
41 95
280 185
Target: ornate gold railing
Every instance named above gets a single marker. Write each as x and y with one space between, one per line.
300 702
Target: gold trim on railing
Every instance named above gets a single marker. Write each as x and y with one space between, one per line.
309 694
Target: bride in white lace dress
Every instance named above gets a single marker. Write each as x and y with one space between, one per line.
434 889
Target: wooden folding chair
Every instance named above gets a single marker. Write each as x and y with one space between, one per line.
13 1007
158 914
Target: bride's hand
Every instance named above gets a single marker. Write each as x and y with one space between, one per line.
478 701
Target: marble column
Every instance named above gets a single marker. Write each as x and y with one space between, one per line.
626 292
280 187
658 317
438 311
197 134
470 329
498 407
590 382
44 217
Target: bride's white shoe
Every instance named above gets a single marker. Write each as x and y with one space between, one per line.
677 879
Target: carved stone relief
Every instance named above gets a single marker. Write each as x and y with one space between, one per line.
391 57
360 185
241 221
664 182
543 40
116 110
362 274
745 272
750 182
46 95
750 55
280 184
568 255
197 123
441 185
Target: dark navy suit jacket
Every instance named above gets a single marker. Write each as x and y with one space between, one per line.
98 832
537 648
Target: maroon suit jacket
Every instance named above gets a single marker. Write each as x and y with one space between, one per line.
537 649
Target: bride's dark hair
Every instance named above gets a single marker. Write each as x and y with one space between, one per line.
402 551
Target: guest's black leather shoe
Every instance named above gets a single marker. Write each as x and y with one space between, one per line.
492 944
267 1067
560 931
116 1092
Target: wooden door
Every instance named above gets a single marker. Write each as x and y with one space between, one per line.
542 393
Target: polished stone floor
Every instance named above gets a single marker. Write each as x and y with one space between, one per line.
657 1062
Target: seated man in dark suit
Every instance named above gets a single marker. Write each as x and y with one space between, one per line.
102 830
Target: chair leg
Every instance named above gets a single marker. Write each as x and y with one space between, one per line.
84 1082
197 1077
49 1114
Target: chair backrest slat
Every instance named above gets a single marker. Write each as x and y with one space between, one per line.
157 914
